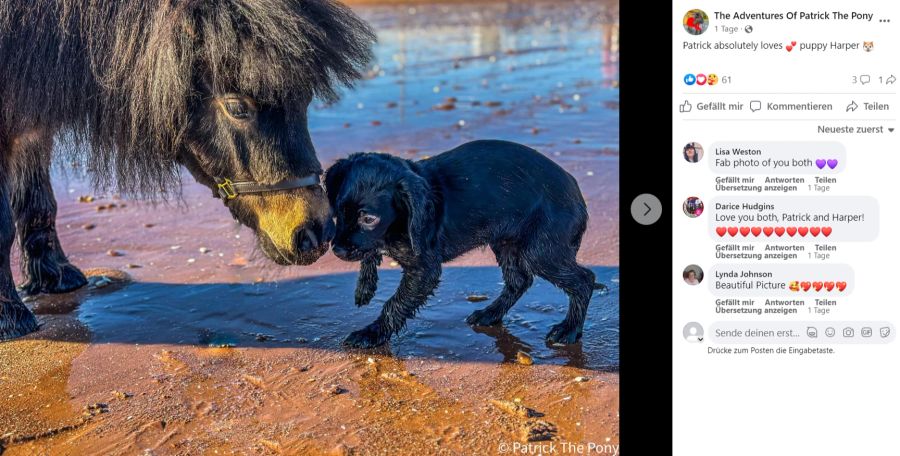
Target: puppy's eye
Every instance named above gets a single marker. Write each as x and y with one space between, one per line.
368 220
237 108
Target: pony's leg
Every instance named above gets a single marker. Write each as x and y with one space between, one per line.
44 264
15 319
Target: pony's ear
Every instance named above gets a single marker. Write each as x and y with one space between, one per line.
414 193
334 179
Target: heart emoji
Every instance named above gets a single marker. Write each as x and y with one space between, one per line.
802 230
733 231
832 163
791 231
779 231
793 43
818 286
768 230
721 231
789 48
841 286
745 231
756 230
826 231
820 163
805 285
814 231
829 286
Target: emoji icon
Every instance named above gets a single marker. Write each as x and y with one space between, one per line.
689 79
794 285
701 79
712 79
829 331
868 45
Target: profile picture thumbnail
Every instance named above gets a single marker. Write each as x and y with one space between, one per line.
695 22
692 275
693 332
693 152
692 207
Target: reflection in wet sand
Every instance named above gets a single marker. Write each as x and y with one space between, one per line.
213 350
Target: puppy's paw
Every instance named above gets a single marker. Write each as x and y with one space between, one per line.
484 317
369 337
364 296
562 333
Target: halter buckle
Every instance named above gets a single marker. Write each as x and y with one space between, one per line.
226 190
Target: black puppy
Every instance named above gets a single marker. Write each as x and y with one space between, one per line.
523 205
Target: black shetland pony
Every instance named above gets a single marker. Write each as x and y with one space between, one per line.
220 87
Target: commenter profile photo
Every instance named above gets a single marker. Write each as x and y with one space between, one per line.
695 22
692 275
692 207
693 152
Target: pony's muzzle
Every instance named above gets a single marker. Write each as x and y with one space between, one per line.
314 237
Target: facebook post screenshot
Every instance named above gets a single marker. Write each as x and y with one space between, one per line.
784 210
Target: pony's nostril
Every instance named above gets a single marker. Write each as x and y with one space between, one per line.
307 240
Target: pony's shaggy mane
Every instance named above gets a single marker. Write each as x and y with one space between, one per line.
119 76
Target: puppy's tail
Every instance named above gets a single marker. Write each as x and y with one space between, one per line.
604 290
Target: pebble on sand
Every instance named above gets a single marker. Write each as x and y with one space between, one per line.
88 226
121 395
476 298
524 358
539 430
516 409
334 390
581 379
114 253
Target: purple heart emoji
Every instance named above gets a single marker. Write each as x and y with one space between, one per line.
820 163
832 163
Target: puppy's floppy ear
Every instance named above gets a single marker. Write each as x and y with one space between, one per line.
334 179
414 193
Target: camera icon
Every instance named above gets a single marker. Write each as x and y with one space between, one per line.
848 332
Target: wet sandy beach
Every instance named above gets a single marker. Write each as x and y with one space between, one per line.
199 345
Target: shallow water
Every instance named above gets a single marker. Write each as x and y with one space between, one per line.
319 311
541 73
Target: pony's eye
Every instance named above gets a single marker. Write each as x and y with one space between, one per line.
237 108
368 220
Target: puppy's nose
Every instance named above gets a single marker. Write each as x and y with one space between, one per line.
339 252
